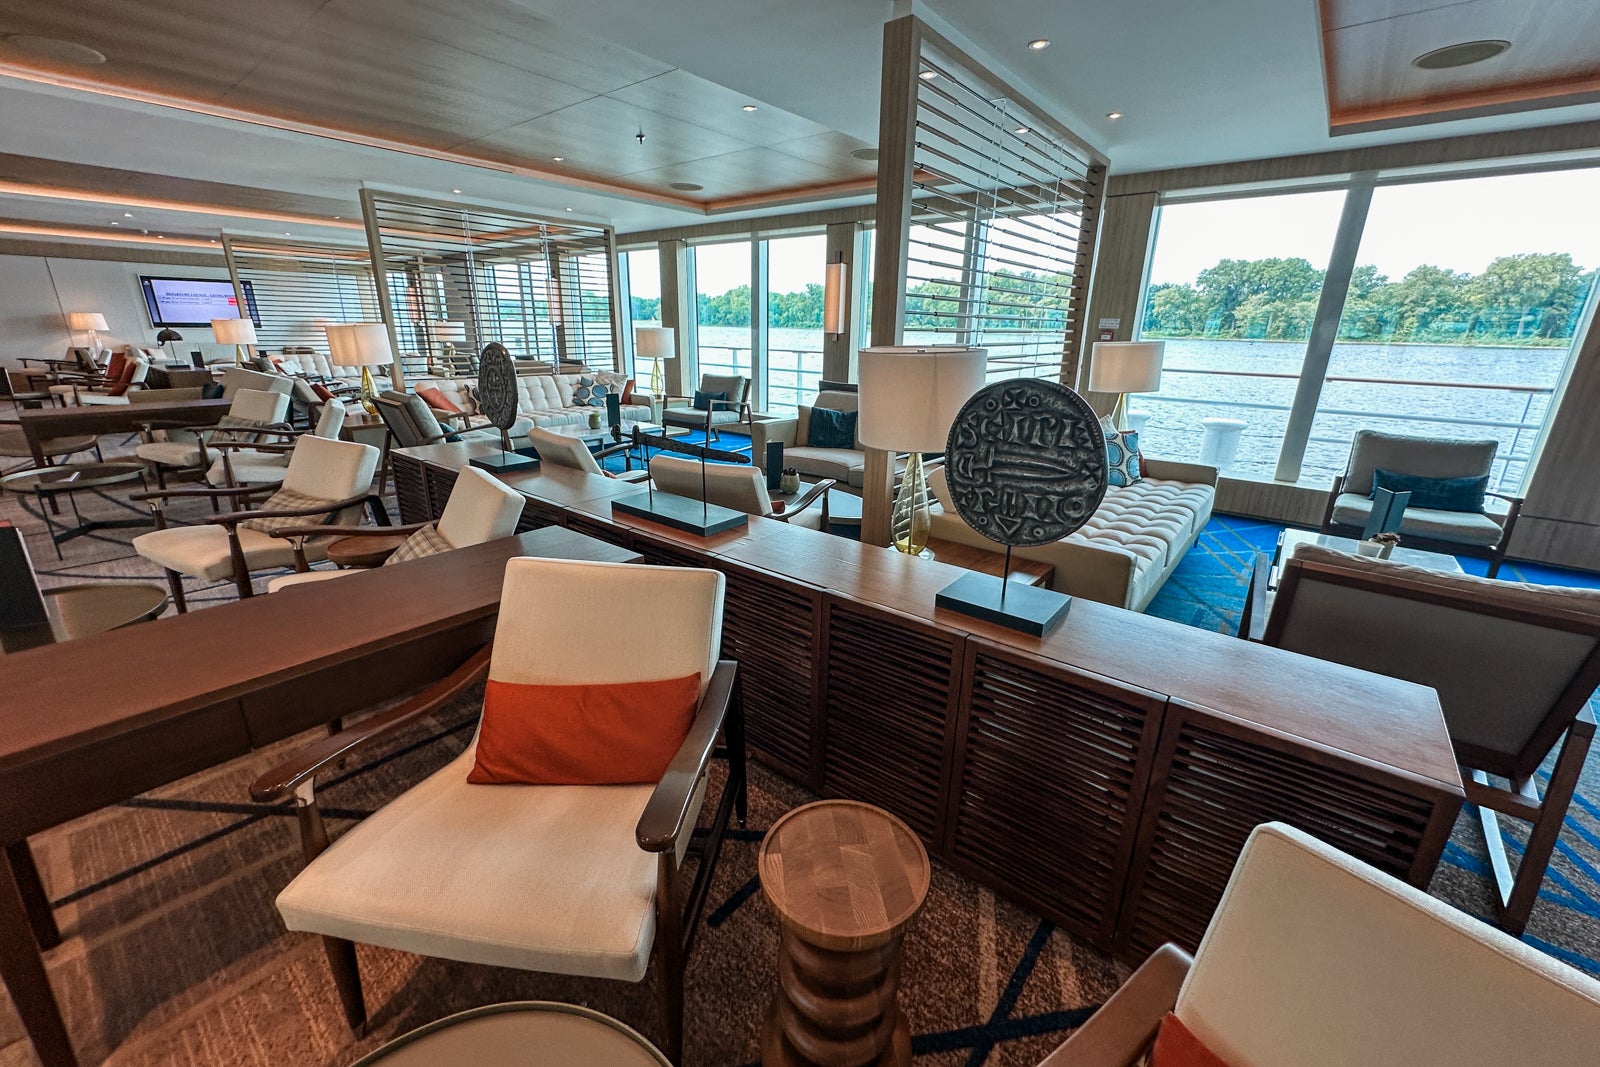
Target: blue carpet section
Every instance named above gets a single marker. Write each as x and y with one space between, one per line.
1207 590
727 442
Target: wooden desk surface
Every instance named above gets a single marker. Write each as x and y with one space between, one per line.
58 422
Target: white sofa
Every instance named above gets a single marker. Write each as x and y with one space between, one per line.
545 399
1128 548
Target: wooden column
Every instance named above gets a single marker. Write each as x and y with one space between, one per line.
678 313
380 280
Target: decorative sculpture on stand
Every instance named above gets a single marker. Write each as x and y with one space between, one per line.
680 512
497 402
1026 465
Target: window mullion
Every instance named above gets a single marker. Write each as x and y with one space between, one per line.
758 323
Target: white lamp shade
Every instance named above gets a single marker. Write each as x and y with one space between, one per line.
1126 366
445 330
833 298
653 342
234 331
359 344
86 320
910 396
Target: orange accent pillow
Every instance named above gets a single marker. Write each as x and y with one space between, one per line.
1176 1046
437 400
625 733
322 391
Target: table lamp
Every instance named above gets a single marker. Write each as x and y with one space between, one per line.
364 345
90 322
240 333
1124 367
909 397
449 333
166 337
654 343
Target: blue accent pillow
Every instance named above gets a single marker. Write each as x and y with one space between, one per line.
1122 455
703 400
1440 494
831 428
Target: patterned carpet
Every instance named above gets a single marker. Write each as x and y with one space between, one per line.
175 955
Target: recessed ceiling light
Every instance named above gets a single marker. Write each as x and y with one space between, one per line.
748 107
569 209
1022 130
338 216
686 187
456 191
558 159
161 237
1113 115
1038 44
55 48
286 233
928 75
869 155
116 224
1460 55
127 214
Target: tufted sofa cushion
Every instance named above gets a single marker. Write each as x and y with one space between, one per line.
546 399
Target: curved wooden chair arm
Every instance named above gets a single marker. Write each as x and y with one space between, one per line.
1120 1033
282 781
667 812
234 518
349 531
809 497
253 446
206 492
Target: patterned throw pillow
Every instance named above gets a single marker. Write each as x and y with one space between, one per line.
289 500
235 422
1122 455
591 392
425 542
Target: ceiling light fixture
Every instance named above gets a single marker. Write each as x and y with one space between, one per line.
54 48
1460 55
558 159
1113 115
456 191
569 209
127 214
686 187
866 155
928 75
1023 130
1038 44
748 107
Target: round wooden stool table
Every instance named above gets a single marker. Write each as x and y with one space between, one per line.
529 1033
364 552
846 879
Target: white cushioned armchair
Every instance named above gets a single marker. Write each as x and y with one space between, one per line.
732 410
843 465
740 487
1314 959
565 879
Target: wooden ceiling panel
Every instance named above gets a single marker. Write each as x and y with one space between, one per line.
716 107
1369 46
597 138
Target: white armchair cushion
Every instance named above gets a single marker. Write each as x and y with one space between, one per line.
170 453
250 468
202 551
481 508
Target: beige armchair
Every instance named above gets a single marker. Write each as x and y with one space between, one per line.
843 465
740 487
560 450
578 880
327 481
264 463
1318 960
251 413
733 410
481 508
1514 666
1486 534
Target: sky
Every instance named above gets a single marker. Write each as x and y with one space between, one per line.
792 263
1461 225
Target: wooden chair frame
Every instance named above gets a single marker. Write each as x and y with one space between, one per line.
1495 554
1121 1032
741 406
1517 888
662 824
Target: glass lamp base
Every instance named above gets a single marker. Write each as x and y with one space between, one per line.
369 391
910 524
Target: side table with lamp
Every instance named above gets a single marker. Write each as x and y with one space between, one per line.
365 345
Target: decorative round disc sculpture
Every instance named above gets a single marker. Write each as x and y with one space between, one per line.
1026 461
497 386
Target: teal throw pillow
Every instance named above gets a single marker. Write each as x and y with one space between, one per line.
1122 455
830 428
1439 494
703 400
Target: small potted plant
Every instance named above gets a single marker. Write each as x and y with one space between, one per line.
595 420
790 481
1379 545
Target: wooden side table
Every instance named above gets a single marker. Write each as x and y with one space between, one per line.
1028 571
846 879
365 552
531 1033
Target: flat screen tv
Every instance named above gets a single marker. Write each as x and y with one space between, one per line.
194 301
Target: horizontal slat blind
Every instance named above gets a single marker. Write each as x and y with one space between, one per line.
997 215
541 287
301 287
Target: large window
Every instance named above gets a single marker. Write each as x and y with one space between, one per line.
722 296
1458 320
796 279
1456 328
641 282
1233 289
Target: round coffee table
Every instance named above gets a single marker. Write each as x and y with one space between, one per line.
366 551
529 1033
47 483
846 879
74 611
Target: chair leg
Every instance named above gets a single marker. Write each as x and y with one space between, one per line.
347 980
175 583
669 955
1517 905
738 761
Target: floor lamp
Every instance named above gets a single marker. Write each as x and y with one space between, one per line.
91 323
654 343
909 397
1124 367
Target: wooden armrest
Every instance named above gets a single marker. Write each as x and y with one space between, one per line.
208 491
810 496
1510 498
252 446
1120 1032
281 782
1253 620
349 531
668 808
234 518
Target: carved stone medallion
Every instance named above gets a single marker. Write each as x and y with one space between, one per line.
1026 461
497 385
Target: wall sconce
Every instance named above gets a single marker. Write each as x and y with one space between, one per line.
552 297
833 302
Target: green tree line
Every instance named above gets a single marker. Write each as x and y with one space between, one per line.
1530 298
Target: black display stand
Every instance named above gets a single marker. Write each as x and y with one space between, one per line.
1010 604
681 513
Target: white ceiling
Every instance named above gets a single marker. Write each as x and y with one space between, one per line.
1197 83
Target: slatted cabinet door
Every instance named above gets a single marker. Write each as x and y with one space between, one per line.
890 685
1217 777
1083 744
411 489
